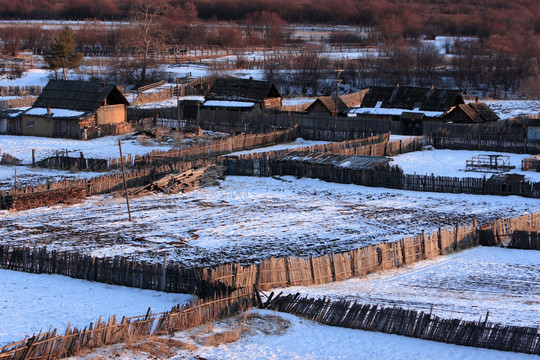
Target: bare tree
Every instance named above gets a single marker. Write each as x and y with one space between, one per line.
428 59
149 33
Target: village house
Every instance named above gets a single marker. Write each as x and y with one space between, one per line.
471 113
75 109
408 105
242 95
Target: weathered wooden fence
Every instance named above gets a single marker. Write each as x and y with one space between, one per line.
49 345
217 147
520 232
410 323
125 271
238 279
510 144
278 164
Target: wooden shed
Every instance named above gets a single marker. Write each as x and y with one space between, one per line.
243 95
471 113
75 109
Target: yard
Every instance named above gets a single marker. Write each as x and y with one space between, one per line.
246 219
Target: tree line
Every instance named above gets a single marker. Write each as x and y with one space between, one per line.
395 18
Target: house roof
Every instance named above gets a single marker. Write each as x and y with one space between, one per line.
78 95
329 103
355 98
247 90
476 112
410 97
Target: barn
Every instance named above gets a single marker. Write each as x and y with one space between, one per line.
75 109
243 95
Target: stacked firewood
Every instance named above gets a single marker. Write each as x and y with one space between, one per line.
185 181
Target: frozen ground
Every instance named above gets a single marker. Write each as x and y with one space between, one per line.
277 336
27 176
507 109
31 303
100 148
465 285
452 163
249 218
297 144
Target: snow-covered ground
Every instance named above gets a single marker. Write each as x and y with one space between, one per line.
32 303
29 176
246 219
100 148
299 143
465 285
507 109
453 163
270 335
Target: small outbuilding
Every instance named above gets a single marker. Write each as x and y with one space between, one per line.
471 113
242 95
77 110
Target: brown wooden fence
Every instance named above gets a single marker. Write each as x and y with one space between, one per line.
410 323
520 232
272 164
268 274
49 345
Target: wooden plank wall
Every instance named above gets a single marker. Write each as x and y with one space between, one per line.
410 323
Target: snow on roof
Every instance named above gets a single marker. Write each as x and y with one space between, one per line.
236 104
392 111
54 112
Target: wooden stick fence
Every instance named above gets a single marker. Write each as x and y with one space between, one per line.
279 164
410 323
52 346
225 279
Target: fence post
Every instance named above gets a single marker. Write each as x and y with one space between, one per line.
312 269
164 274
439 240
456 236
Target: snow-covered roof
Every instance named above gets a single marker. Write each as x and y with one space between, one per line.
62 113
391 111
234 104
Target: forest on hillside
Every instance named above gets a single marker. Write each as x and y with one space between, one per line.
393 17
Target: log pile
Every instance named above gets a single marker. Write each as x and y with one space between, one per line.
185 181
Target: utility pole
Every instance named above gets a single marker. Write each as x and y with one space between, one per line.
338 81
124 178
178 102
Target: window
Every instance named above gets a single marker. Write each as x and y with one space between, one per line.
29 124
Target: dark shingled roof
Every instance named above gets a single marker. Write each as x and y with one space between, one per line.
232 89
78 95
410 97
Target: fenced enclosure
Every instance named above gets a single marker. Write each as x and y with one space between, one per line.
49 345
410 323
228 289
279 164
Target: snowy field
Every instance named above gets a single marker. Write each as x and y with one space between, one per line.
31 303
465 285
100 148
270 335
452 163
249 218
